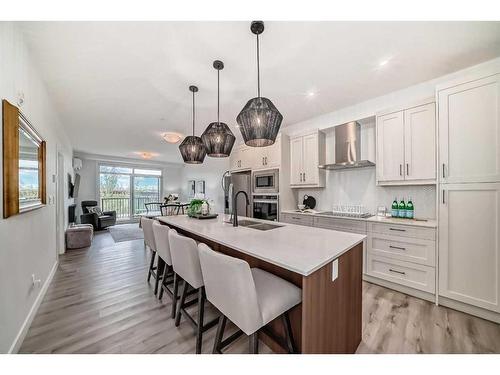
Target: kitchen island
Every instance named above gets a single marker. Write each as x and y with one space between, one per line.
325 264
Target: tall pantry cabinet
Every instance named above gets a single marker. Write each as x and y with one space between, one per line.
469 194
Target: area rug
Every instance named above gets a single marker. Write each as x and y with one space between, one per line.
126 232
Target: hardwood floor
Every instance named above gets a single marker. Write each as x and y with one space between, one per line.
99 302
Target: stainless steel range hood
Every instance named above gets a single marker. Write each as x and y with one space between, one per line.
348 148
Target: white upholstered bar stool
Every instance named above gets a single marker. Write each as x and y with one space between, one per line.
149 239
249 297
162 242
186 264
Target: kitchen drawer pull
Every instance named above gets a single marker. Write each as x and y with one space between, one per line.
397 247
444 202
407 169
398 230
304 176
443 170
400 169
395 271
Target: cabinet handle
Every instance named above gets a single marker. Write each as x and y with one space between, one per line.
407 169
266 160
395 271
444 202
304 176
398 230
443 170
397 247
400 169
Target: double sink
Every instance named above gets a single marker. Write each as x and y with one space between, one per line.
257 225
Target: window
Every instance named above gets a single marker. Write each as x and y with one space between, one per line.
126 189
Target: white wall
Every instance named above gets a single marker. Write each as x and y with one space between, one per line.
358 186
28 240
175 177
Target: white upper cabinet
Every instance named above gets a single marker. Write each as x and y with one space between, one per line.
406 146
241 158
390 147
307 152
469 249
420 143
469 131
268 157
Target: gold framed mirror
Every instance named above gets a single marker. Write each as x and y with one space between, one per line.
24 163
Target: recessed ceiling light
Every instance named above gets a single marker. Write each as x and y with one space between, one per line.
172 137
383 62
310 94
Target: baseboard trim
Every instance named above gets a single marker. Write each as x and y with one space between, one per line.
401 288
470 309
18 341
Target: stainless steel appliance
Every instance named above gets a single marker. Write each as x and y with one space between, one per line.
266 182
234 182
266 207
348 148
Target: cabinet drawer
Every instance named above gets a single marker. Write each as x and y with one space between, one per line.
405 273
413 250
297 219
357 226
403 231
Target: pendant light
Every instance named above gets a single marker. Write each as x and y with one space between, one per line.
259 120
192 148
217 137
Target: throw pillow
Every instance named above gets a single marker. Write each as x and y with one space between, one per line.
95 210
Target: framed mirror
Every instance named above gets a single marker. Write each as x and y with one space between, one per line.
24 163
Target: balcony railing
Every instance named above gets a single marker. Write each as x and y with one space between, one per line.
122 205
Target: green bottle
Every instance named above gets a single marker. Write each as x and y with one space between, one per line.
410 209
394 208
402 209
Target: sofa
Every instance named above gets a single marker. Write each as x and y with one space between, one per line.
99 221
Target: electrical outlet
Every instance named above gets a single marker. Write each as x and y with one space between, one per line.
36 282
335 269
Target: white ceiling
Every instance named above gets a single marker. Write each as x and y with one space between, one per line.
119 85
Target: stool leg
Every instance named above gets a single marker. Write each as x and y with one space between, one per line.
181 304
288 333
253 342
151 264
159 272
201 312
163 278
219 334
174 297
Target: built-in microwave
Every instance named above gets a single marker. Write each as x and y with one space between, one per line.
266 182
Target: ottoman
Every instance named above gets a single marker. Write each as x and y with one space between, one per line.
78 236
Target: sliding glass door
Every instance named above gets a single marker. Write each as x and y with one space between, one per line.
127 189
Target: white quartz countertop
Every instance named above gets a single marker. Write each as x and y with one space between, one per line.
426 223
294 247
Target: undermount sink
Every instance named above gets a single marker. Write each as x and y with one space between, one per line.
257 225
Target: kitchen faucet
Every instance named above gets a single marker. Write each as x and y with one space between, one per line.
235 209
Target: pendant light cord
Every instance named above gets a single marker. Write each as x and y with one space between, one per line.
218 96
193 113
258 68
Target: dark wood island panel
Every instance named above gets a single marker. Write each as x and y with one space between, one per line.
329 318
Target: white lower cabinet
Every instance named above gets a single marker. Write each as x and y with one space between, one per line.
402 254
412 275
469 251
296 219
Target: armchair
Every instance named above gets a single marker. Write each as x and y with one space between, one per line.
99 222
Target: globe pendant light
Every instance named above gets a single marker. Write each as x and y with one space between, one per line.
217 137
192 148
259 120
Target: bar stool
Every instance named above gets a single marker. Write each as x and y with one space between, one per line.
149 239
163 250
249 297
186 264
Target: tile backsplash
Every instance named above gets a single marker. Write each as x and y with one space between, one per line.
357 186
